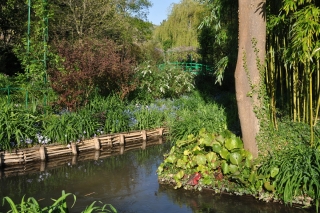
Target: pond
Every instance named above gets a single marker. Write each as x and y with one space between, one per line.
127 181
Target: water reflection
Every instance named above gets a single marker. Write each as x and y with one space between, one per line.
128 182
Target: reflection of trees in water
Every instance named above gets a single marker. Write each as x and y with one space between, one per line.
107 176
206 201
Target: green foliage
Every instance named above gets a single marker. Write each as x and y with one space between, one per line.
294 175
193 114
180 30
220 159
218 36
167 82
18 126
59 206
70 127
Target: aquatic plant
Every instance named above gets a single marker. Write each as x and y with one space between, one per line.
59 205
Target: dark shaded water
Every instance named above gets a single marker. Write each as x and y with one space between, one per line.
129 183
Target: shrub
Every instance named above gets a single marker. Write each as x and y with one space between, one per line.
167 82
89 66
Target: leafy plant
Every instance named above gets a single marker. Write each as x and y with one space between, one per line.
293 174
169 81
18 126
220 159
193 114
89 66
59 206
70 127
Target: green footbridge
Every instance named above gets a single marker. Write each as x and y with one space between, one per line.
195 68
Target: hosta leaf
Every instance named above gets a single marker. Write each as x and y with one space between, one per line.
235 158
225 167
200 159
274 172
224 153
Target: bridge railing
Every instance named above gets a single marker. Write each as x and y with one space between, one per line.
195 68
23 96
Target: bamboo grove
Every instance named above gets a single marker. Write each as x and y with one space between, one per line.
293 67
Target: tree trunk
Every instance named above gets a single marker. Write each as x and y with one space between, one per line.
252 38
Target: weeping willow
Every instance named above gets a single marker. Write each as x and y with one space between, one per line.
179 32
293 56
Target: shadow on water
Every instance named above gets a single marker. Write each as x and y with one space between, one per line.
127 181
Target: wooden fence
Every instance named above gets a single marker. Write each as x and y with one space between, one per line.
27 168
47 152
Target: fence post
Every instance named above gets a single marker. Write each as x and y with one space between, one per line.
144 135
42 153
97 145
74 148
121 136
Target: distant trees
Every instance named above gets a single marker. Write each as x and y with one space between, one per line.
181 29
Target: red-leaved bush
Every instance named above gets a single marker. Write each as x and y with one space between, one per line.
90 66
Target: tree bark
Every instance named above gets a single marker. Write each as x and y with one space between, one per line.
252 28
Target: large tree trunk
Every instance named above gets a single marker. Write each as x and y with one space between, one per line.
252 28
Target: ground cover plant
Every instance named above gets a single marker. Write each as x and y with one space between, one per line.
59 206
218 162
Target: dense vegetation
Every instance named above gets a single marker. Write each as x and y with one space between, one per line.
75 70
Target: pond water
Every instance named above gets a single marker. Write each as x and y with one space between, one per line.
127 181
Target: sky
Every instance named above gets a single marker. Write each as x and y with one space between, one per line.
159 11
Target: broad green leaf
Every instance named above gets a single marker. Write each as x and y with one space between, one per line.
181 163
252 177
207 181
170 159
179 175
220 139
160 169
233 143
190 137
202 168
211 156
216 148
215 165
225 167
274 171
200 159
224 153
186 152
268 186
233 168
235 158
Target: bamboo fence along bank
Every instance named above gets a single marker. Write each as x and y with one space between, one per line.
46 152
27 168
